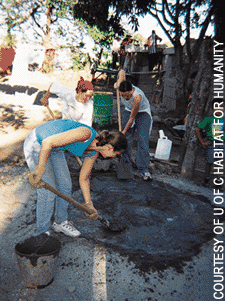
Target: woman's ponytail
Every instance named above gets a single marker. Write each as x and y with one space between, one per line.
115 138
103 138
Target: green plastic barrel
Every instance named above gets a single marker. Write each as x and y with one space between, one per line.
103 103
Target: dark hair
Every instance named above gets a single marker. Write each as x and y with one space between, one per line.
115 138
125 86
84 85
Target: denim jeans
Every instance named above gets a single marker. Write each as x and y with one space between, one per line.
209 152
57 175
143 125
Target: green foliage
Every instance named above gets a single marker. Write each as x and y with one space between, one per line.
9 41
175 17
11 10
96 12
79 59
61 8
17 12
103 39
60 32
77 64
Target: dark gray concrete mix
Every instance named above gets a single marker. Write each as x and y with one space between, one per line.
165 227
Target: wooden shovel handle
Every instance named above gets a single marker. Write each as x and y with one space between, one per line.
118 109
67 198
60 194
50 111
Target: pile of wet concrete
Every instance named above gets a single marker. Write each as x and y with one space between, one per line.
165 226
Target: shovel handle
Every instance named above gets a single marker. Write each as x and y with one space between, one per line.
50 111
105 222
60 194
118 108
67 198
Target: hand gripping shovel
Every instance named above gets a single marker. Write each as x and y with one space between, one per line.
112 226
124 171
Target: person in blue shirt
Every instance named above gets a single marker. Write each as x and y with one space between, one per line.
44 150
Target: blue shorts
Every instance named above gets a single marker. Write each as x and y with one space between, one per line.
209 152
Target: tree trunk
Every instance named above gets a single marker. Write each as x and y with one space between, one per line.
200 98
47 65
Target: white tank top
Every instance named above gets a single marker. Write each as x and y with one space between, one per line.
144 104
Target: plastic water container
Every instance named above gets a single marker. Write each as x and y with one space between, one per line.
163 148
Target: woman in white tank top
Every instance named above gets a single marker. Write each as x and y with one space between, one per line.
136 116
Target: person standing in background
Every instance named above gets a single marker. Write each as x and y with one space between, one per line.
153 50
153 42
136 115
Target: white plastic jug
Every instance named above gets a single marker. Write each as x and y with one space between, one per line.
163 148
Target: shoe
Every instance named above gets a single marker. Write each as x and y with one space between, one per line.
67 228
47 233
147 176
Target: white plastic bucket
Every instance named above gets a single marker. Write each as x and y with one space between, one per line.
163 148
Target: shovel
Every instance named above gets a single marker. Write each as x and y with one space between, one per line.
115 226
118 109
124 171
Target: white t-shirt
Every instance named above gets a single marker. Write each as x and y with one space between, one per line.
72 109
144 104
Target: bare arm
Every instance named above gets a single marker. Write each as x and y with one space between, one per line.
45 97
135 109
200 137
84 180
120 79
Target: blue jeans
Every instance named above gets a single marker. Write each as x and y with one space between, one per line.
209 152
57 175
143 125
